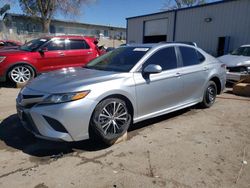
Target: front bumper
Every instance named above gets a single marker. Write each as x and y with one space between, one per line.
236 76
73 116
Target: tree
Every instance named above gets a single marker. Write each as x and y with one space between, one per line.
175 4
4 9
46 9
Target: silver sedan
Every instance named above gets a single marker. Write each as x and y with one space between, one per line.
122 87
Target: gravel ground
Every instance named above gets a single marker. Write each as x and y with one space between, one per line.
188 148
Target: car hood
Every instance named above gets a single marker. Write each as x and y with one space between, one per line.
69 80
11 51
234 60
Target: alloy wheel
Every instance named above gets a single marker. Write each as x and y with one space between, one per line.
20 74
211 94
113 117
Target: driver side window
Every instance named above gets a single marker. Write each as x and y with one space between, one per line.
58 44
165 57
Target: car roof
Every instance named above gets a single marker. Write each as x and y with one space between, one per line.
245 45
70 37
152 45
12 41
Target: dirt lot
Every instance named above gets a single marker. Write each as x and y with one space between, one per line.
190 148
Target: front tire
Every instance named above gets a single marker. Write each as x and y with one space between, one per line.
110 120
209 95
21 74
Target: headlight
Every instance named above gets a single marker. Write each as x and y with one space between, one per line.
2 58
65 97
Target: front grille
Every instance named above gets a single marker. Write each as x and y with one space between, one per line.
28 101
30 105
32 96
237 69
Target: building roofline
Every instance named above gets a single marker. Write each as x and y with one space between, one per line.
62 21
180 9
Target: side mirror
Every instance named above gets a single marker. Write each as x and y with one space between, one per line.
152 69
42 50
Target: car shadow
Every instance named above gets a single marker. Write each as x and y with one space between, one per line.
7 84
15 136
229 92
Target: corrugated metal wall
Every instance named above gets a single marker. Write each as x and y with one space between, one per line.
228 19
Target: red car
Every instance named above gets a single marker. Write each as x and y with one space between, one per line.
46 54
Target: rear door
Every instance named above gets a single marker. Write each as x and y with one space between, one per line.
53 56
194 73
78 52
162 91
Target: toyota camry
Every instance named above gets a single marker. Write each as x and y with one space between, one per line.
116 90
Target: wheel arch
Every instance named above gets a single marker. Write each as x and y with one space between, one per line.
20 63
217 81
125 99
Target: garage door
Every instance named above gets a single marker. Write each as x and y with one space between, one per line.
155 30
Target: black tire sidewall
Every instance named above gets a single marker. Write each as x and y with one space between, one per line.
97 129
204 103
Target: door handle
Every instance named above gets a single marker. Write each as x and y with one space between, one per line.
90 53
206 68
61 53
178 74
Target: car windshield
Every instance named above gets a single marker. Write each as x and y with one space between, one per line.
33 44
245 51
122 59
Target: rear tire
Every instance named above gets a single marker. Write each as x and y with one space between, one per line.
209 95
21 74
110 120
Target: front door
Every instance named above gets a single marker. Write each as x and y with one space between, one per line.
157 93
53 56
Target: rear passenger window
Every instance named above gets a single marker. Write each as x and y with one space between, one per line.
166 58
78 44
189 56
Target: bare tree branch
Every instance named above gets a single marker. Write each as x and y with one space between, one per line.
46 9
174 4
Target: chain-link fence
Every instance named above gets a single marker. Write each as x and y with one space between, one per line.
9 34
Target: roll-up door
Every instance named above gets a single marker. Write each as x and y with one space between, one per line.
155 30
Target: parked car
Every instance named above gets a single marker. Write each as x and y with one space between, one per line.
238 61
9 44
46 54
122 87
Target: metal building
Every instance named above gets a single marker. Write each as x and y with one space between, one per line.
217 27
22 24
